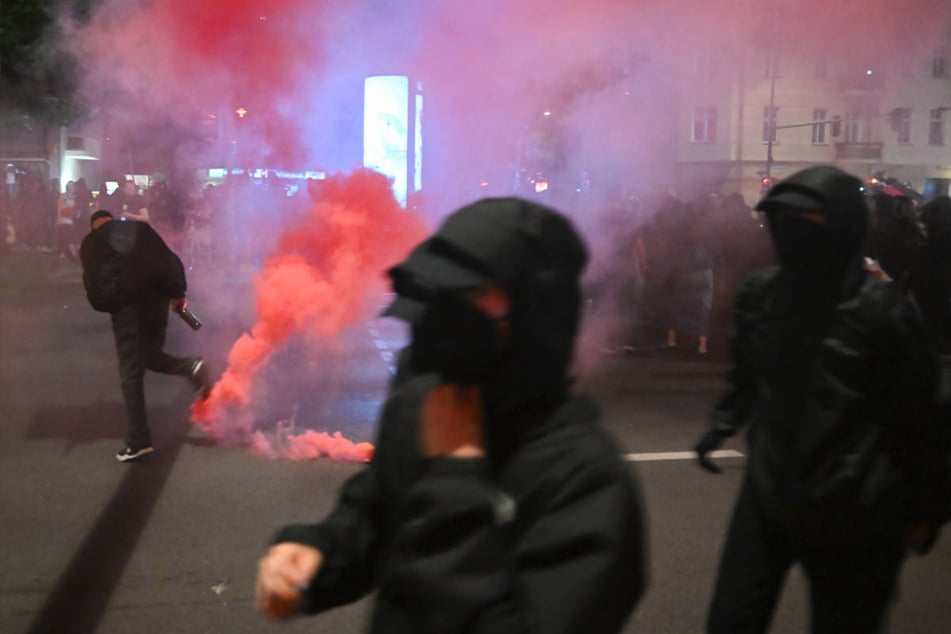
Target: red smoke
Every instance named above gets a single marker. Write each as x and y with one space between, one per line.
316 283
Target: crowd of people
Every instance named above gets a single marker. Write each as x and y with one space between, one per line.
208 224
669 273
665 278
496 503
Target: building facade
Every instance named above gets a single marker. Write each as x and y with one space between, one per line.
753 115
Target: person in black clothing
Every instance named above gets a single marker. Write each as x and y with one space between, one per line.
494 501
934 292
897 239
129 272
835 376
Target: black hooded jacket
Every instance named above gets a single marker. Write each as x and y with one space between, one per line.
125 260
553 542
934 290
545 534
834 374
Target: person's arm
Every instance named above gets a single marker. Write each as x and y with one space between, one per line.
347 542
163 268
141 213
733 409
920 432
578 567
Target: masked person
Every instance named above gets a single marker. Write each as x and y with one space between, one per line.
130 273
494 501
835 376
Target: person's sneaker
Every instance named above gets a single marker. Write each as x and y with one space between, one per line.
200 379
129 453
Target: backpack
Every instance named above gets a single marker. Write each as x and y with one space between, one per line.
106 280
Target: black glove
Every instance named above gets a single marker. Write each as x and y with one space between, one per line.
709 442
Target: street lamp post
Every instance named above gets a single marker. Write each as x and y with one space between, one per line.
771 125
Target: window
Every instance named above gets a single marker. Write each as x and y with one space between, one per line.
819 129
769 123
936 127
853 128
704 124
938 67
901 124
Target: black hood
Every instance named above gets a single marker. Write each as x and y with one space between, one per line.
936 215
537 257
839 196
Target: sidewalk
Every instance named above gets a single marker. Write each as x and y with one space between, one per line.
23 267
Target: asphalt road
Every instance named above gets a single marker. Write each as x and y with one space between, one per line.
170 544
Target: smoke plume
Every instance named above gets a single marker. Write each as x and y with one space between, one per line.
317 282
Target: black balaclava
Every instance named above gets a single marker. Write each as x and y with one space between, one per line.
456 340
535 255
818 261
819 265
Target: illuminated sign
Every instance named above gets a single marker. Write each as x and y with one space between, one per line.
386 129
418 141
393 131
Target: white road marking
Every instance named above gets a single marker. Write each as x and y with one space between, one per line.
679 455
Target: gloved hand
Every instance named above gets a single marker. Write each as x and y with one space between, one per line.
709 442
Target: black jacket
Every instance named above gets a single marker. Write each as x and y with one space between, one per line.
843 433
835 375
126 260
552 541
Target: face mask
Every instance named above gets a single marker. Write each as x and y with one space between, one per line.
457 341
803 247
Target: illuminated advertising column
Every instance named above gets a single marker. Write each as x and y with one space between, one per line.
392 117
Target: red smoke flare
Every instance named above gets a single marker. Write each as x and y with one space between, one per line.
316 283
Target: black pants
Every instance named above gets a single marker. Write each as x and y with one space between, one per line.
851 583
139 329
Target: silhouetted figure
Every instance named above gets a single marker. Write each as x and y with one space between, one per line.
897 239
494 502
691 280
66 213
738 244
127 204
130 273
835 376
934 291
84 200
